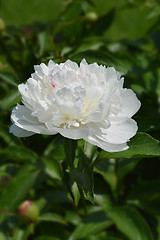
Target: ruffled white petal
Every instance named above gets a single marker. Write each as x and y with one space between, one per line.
22 118
109 147
130 103
73 132
19 132
120 131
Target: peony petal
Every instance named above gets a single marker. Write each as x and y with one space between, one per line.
22 118
109 147
19 132
119 132
130 103
72 132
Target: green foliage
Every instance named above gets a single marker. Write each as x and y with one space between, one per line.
82 192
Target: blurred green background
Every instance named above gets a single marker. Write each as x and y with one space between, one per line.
121 190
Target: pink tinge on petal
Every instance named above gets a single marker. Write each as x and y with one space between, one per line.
53 84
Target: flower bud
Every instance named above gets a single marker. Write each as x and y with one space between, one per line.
29 211
2 25
91 17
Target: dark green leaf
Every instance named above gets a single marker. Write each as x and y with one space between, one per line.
106 168
70 148
85 181
18 153
91 225
21 234
15 192
131 223
52 217
103 23
10 100
9 78
100 57
46 238
125 166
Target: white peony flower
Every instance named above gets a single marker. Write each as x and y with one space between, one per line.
86 102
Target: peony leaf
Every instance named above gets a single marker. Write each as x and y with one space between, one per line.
10 100
85 181
52 168
18 154
21 234
101 57
15 192
92 224
131 223
155 12
52 217
103 23
9 78
2 236
70 148
46 238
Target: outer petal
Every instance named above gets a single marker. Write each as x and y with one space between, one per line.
120 131
19 132
72 132
105 145
130 103
21 117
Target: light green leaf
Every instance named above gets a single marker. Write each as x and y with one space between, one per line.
2 236
155 12
52 168
76 193
89 150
